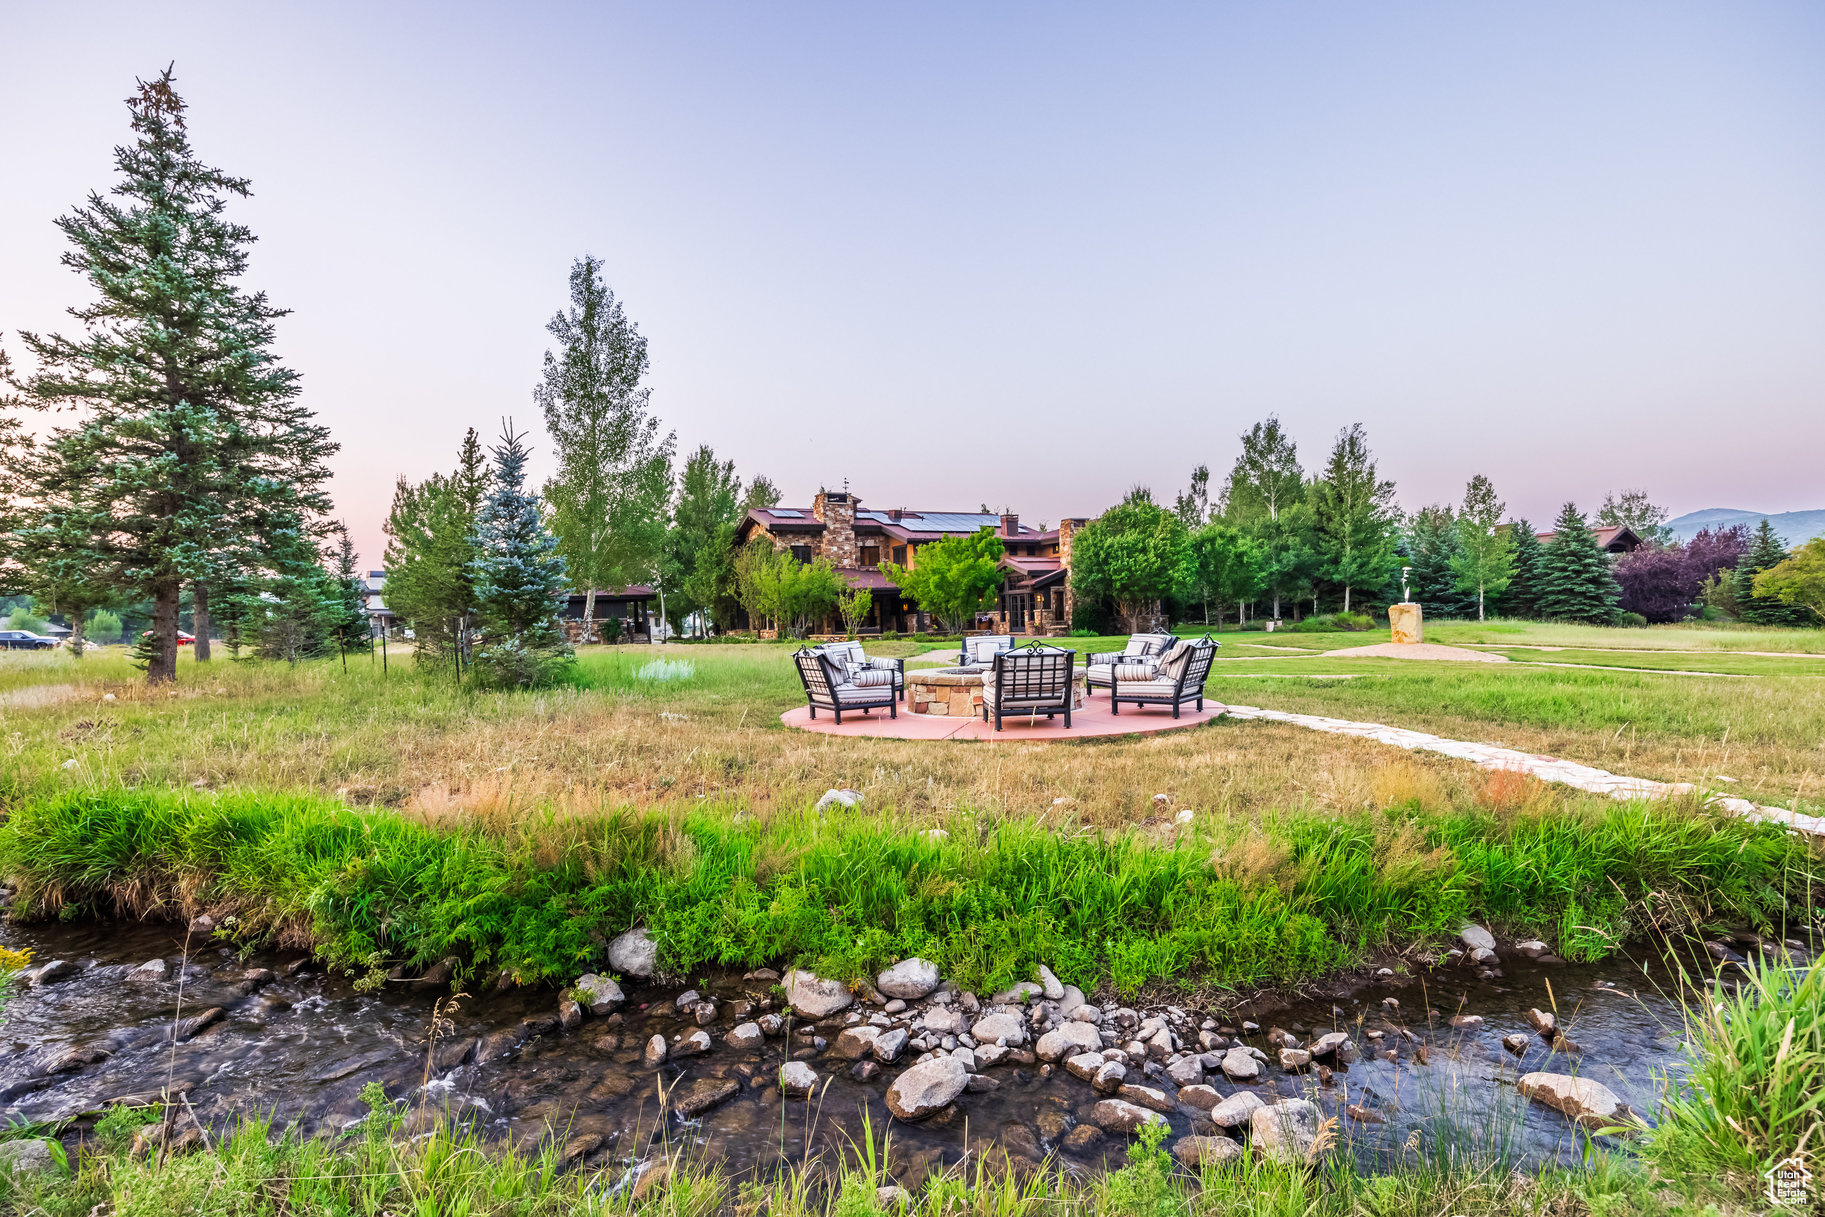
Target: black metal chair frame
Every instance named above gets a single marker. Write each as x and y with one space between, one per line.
1010 674
1188 686
1114 657
898 669
827 673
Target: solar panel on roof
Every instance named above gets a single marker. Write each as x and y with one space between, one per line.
787 513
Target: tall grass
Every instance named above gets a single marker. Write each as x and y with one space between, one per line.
1754 1091
1229 904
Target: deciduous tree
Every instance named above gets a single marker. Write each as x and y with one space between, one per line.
1265 496
1642 516
1485 559
1798 579
1132 556
430 558
953 579
1766 551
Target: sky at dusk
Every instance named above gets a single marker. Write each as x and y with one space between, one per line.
1022 255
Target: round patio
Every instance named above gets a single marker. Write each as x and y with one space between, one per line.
1094 721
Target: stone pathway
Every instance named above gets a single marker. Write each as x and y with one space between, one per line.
1546 768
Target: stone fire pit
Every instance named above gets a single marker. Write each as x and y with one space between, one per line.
957 692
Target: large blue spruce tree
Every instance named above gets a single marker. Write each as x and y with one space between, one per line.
518 577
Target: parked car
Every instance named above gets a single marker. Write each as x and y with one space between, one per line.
183 639
21 640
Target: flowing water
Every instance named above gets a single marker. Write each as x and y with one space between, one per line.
301 1045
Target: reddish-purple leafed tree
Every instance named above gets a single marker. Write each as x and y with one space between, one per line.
1663 583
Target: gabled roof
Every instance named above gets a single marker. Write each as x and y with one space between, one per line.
1617 538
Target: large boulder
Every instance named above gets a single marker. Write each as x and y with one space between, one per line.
1050 984
599 994
634 954
1588 1102
927 1088
1009 1029
909 980
1285 1132
1476 938
1069 1039
1235 1111
1119 1115
814 997
28 1157
1240 1066
1201 1151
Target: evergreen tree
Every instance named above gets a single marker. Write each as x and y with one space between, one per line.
431 556
1767 549
1799 581
519 576
1354 518
350 622
1434 554
1521 598
298 605
613 485
1266 498
189 439
1485 561
1575 581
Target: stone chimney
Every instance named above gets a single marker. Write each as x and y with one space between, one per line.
1067 530
835 510
1010 524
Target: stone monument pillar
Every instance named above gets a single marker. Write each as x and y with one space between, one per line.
1404 621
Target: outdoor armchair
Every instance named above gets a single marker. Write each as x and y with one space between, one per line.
1030 680
858 668
826 688
979 650
1141 650
1176 679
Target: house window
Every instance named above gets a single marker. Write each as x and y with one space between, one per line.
871 555
899 555
801 554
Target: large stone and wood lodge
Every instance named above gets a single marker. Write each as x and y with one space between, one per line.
1035 596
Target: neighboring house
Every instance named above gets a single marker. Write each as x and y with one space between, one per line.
1035 597
1611 538
380 618
629 606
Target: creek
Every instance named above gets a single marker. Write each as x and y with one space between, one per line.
297 1045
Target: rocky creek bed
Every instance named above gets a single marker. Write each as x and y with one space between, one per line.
757 1069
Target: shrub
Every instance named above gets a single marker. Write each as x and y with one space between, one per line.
1631 620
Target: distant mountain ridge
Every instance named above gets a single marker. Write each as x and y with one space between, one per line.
1797 527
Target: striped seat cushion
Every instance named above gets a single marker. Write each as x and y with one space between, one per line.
1152 688
862 693
872 678
1126 672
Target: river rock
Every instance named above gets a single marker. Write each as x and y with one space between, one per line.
1463 1021
1071 1002
1019 994
1119 1115
1199 1097
856 1042
598 994
814 997
1516 1043
1084 1065
47 973
1533 948
1082 1140
1237 1110
1201 1151
1186 1071
745 1036
889 1045
1110 1077
1285 1131
151 970
910 979
1053 988
1543 1022
927 1088
1476 938
1329 1044
696 1043
1589 1102
189 1027
945 1021
1086 1014
1239 1066
1150 1097
770 1024
570 1014
656 1052
1007 1028
27 1157
1293 1059
634 954
1067 1040
708 1093
797 1079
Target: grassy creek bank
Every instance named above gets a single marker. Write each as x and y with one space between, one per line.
1211 906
